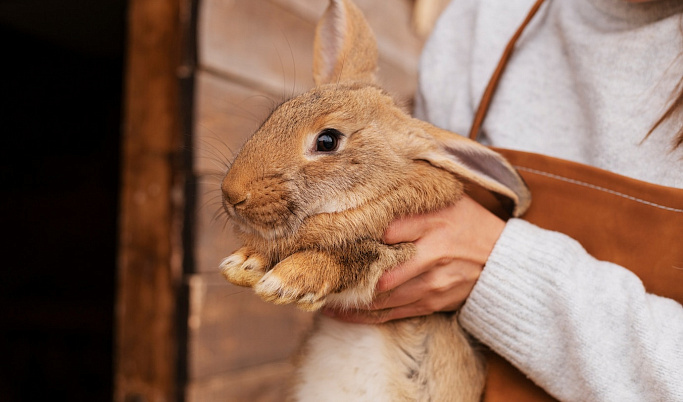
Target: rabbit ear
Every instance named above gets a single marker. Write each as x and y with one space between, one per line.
479 164
345 48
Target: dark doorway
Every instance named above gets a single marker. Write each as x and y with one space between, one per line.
60 102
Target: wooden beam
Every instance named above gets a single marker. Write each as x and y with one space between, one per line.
151 210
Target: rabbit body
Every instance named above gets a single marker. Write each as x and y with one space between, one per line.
311 194
417 359
311 226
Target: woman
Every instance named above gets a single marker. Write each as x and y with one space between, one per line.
592 81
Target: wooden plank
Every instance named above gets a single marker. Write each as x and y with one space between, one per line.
231 329
149 268
390 21
265 383
256 42
267 45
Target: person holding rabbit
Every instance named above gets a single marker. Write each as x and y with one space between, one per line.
597 83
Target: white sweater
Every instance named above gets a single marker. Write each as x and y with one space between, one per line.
587 81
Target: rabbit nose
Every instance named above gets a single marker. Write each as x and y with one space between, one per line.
236 199
233 193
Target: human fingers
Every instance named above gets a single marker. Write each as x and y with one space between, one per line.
420 307
415 229
404 230
390 305
431 233
402 273
441 288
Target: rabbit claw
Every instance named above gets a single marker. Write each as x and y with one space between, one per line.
244 267
298 279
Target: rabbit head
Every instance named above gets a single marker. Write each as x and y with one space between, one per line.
320 152
345 141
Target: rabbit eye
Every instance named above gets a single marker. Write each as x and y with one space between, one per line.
328 140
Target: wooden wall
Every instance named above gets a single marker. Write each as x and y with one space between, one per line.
252 54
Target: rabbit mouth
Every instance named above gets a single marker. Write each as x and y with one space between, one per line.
267 231
269 221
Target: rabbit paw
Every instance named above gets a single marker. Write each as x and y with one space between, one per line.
244 267
305 278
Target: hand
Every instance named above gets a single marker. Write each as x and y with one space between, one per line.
452 245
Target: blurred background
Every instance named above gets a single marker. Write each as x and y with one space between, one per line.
118 118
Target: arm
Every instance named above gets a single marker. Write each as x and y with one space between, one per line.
581 328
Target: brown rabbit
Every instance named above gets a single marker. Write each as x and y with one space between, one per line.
311 193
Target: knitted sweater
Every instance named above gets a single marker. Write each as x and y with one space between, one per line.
587 81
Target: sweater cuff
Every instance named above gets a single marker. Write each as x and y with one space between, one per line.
511 304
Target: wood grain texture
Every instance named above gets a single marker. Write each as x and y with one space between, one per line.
265 383
149 271
232 329
257 43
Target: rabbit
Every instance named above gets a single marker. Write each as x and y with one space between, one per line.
311 193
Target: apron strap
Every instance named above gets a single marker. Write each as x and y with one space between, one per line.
495 78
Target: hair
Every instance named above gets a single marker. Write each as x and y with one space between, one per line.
674 111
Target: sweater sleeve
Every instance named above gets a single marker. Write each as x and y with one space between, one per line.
581 329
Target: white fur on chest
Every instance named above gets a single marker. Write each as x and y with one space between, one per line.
345 362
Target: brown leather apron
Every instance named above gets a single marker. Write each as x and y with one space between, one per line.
635 224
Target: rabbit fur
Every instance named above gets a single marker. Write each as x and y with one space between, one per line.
311 193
